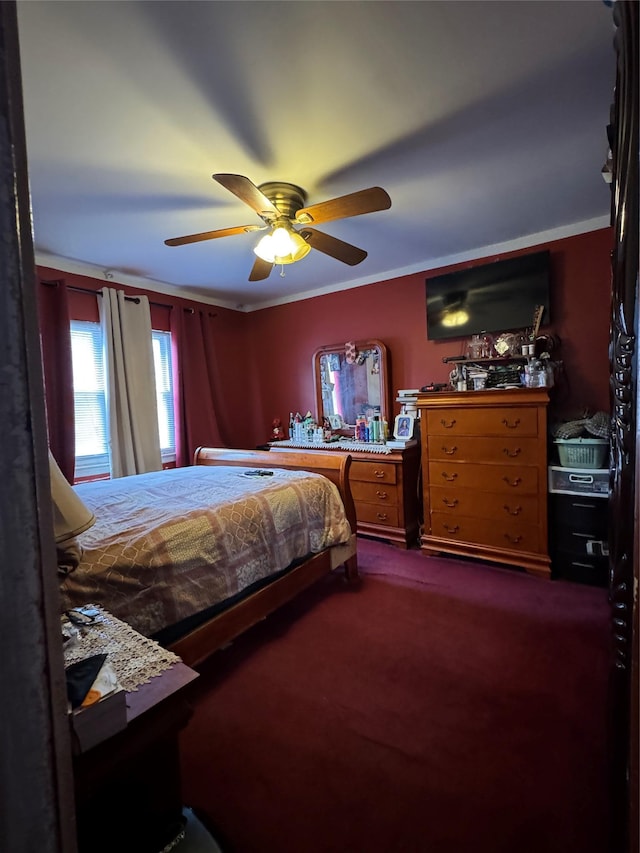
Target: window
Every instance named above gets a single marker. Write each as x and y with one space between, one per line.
164 394
92 447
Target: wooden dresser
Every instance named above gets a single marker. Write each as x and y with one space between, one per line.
385 491
484 475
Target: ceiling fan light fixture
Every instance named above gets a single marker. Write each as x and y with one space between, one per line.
282 246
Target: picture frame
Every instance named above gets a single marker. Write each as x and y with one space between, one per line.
403 427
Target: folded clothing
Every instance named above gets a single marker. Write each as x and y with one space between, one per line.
598 425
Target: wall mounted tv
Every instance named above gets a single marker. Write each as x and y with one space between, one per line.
491 297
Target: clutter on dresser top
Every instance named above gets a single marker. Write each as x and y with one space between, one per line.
370 428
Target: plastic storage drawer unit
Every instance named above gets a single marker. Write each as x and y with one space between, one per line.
578 522
579 481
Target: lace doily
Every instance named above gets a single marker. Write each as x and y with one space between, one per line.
135 659
370 447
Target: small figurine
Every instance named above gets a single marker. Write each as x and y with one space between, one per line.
277 433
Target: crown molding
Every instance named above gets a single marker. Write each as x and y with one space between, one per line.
527 242
114 276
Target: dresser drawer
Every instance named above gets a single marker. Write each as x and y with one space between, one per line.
478 422
372 472
379 493
510 534
459 501
506 479
512 450
377 514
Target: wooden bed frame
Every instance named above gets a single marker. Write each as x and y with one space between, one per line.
218 631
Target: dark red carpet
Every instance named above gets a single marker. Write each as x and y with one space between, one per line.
443 706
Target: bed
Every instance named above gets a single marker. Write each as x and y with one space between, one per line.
194 556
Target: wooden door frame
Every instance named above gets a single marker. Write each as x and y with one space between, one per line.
37 811
625 461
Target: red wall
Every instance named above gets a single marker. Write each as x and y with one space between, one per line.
265 358
283 339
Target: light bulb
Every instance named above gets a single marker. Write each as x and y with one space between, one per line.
281 242
264 249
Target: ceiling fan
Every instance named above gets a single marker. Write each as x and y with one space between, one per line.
281 206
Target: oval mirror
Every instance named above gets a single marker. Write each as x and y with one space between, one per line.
351 379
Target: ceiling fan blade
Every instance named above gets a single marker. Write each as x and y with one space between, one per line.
212 235
337 249
249 193
260 270
362 201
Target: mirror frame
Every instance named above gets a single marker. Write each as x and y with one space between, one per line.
385 402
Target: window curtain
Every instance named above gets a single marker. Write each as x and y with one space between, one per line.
195 383
134 441
57 367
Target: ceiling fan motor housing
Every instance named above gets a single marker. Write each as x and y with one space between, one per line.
288 198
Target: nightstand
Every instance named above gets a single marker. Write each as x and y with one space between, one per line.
127 788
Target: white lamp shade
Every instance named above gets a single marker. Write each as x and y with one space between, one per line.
70 515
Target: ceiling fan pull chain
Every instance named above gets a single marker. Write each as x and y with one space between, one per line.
282 271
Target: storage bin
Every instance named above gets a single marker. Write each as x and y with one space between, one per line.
579 481
581 452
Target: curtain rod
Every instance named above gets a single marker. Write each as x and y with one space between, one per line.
77 289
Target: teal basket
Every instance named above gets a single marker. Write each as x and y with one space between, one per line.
581 452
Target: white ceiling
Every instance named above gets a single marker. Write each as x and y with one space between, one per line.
484 121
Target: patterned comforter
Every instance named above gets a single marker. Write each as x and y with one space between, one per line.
169 544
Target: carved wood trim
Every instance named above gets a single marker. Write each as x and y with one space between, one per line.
623 353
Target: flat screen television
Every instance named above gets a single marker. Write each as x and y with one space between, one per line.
499 296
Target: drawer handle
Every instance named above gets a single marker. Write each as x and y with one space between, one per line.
512 453
447 502
515 511
513 539
382 516
515 482
447 424
449 477
512 424
379 474
382 495
453 529
450 451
